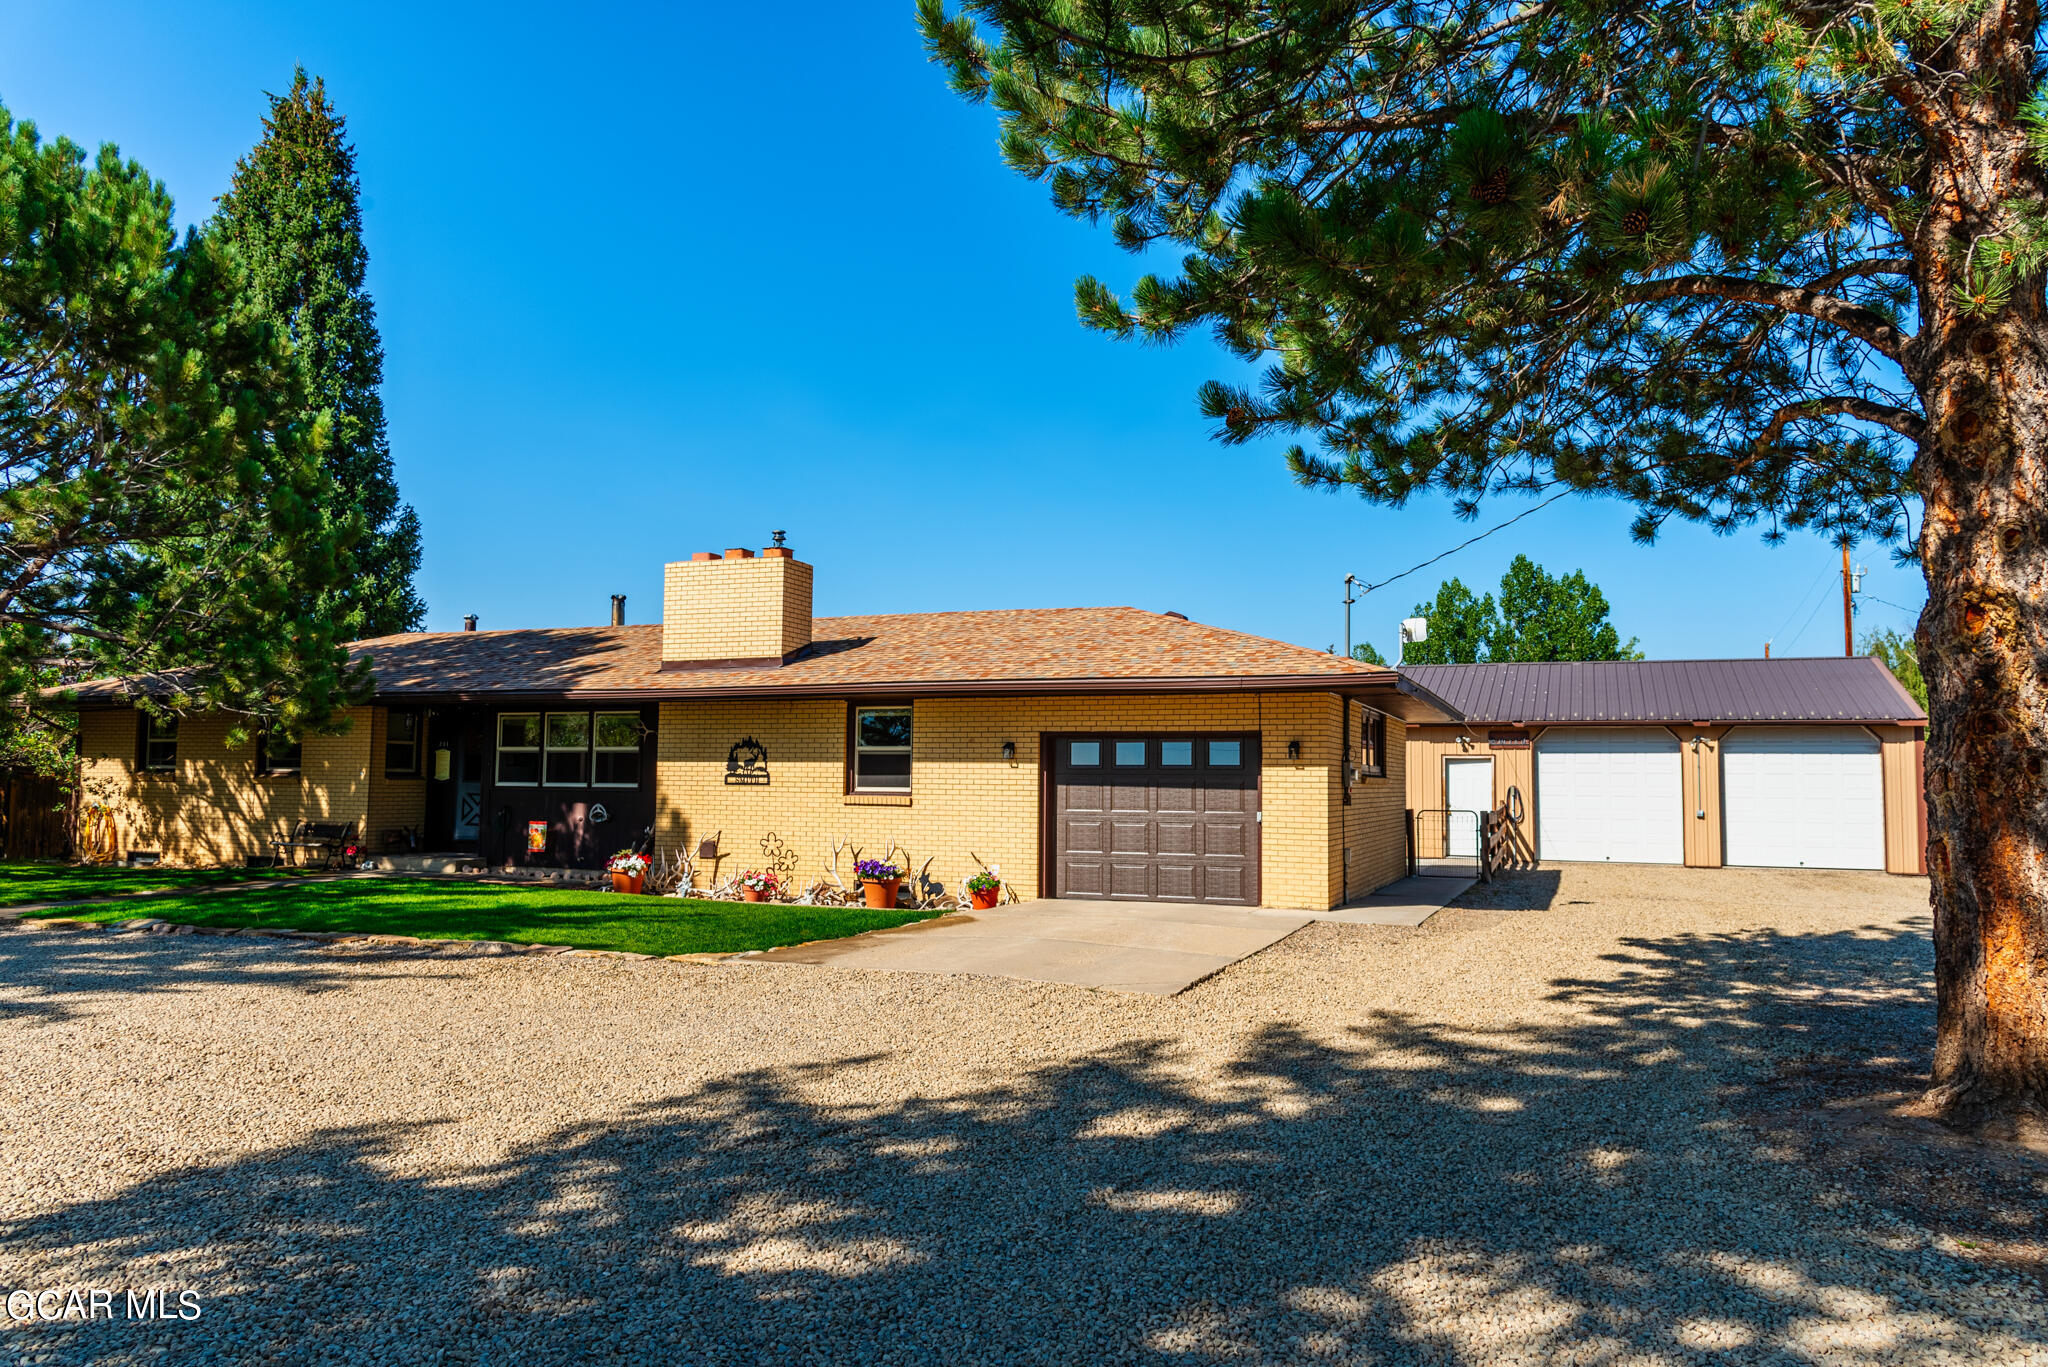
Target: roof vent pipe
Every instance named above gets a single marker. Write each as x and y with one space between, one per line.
469 622
618 609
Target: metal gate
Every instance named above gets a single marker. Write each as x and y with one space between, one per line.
1450 842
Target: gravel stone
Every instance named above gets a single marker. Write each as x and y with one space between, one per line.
1521 1134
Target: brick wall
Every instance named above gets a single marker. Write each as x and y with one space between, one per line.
967 801
735 609
214 808
393 802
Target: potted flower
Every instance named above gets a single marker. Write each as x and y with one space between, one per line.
878 879
756 886
628 870
985 887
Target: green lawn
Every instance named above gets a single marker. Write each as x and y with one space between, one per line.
20 883
449 910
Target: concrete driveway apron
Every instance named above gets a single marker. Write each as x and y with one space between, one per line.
1155 947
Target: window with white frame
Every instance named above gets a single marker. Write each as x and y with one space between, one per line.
568 757
519 749
617 736
881 750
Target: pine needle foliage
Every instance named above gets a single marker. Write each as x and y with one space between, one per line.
162 497
1659 250
294 215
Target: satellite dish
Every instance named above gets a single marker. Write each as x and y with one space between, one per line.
1414 629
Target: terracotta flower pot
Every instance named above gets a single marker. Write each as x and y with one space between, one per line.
627 882
753 894
984 899
881 894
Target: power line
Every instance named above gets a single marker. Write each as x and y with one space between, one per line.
1800 604
1820 603
1911 612
1469 540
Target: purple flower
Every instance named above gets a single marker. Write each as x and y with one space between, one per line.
877 870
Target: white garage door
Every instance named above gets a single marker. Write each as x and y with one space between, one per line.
1612 793
1803 797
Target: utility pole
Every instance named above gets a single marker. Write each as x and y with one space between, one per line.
1848 606
1349 581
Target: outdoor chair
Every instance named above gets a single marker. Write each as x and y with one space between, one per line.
326 838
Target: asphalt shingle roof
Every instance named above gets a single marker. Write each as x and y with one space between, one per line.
940 652
1818 689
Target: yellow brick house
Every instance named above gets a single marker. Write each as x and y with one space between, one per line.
1090 752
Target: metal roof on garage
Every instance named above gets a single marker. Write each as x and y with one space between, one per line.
1816 689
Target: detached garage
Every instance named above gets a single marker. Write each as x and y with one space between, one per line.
1801 763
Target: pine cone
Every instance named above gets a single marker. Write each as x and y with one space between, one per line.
1493 190
1636 222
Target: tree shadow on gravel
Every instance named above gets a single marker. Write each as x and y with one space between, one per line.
1400 1193
47 971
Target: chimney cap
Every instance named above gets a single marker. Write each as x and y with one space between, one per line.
738 553
469 622
618 609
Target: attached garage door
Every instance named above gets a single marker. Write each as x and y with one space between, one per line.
1610 793
1803 797
1173 818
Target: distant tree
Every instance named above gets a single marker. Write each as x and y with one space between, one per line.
294 213
1538 616
1365 652
1545 617
1902 657
161 489
1459 627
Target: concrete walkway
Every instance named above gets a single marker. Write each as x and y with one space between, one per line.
1153 947
1409 902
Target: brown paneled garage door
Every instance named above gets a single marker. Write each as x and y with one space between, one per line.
1166 817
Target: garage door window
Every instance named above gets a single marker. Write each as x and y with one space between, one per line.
881 750
1225 754
1130 752
1177 754
1086 753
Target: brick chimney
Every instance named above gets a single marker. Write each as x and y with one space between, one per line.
739 607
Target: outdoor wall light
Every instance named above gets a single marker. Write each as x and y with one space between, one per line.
1009 749
442 763
1294 749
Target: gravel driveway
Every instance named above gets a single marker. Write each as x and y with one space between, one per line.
1538 1130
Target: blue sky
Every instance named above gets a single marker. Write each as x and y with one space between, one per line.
662 278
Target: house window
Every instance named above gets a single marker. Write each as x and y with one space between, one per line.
618 750
519 749
568 756
277 755
1372 750
159 743
881 750
401 744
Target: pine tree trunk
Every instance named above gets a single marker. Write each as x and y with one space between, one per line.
1983 642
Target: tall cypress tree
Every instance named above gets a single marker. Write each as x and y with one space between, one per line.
295 216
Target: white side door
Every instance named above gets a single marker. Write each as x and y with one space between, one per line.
1802 797
1468 791
1610 794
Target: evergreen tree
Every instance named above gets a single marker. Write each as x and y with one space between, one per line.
1366 653
1545 617
294 213
1459 627
1737 261
163 491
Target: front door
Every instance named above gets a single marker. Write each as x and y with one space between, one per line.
469 785
1468 791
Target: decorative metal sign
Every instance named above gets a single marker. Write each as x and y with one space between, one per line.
747 762
597 815
1507 740
536 836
